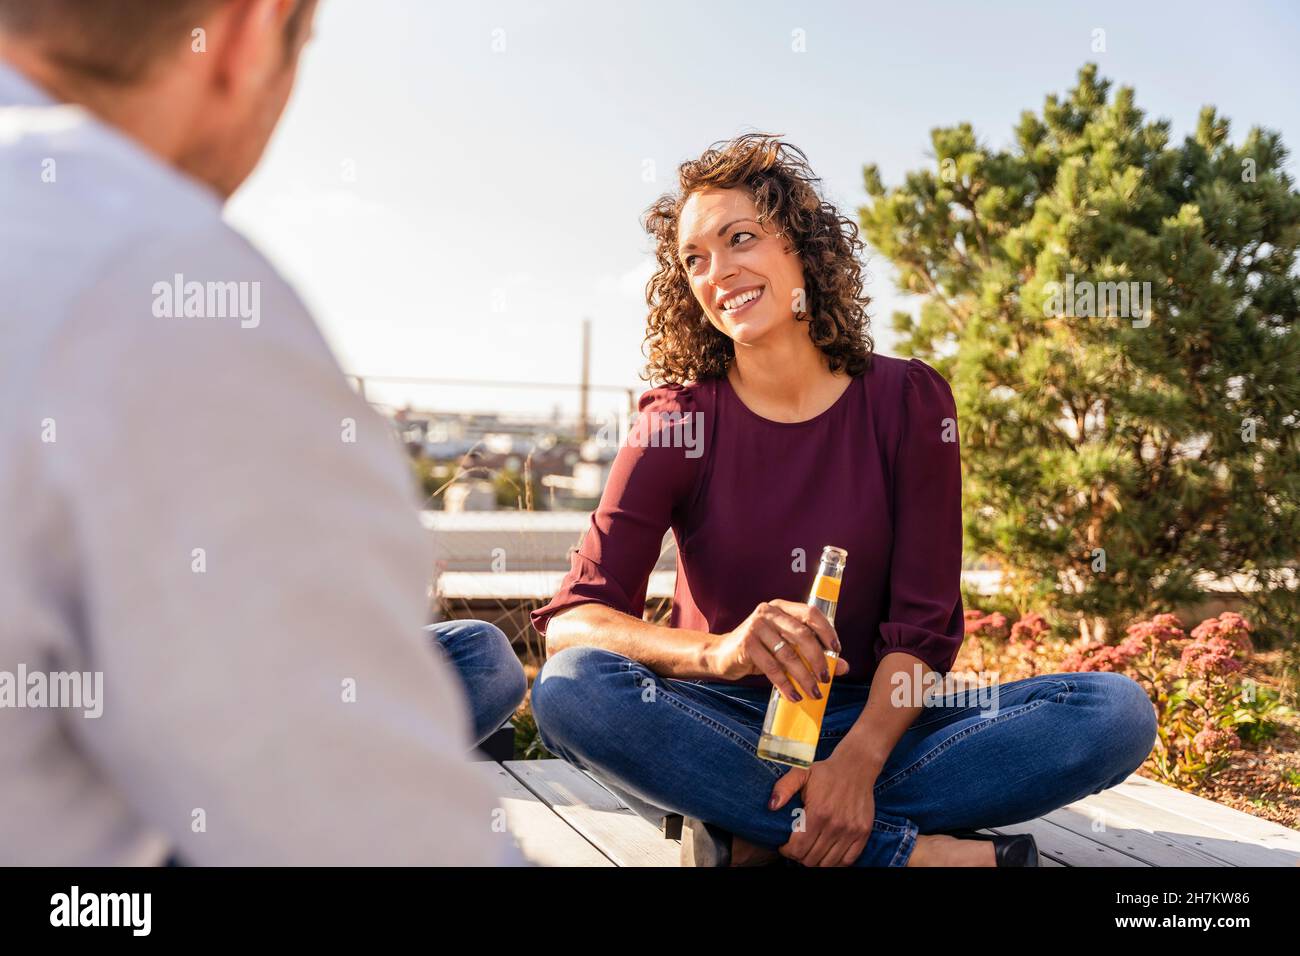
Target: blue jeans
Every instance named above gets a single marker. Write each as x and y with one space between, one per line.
488 668
689 747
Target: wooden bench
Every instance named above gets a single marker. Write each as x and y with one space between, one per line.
561 816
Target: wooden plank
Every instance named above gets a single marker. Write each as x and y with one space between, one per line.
606 822
1139 830
1249 829
543 837
651 814
654 814
1200 841
1135 832
1067 847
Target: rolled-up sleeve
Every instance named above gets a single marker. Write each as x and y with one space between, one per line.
925 608
654 471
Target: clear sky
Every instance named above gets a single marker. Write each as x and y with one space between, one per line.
456 185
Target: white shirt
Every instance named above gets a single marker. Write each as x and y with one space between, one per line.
201 510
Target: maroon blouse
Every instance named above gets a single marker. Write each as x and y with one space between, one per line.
752 502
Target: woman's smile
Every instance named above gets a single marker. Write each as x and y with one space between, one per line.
737 303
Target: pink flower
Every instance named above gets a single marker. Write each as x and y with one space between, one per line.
1215 738
1104 659
1161 629
992 625
1130 649
1079 654
1228 626
1029 629
1212 655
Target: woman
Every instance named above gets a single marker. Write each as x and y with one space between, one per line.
779 432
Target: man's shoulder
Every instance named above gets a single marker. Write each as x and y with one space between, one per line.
206 302
193 327
64 168
122 279
85 211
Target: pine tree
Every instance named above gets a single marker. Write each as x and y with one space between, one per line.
1118 318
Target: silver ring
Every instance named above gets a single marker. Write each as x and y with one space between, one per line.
777 646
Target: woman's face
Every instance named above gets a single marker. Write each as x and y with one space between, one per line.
743 274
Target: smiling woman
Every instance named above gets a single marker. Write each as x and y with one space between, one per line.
745 244
758 327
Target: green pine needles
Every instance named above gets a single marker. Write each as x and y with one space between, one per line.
1118 318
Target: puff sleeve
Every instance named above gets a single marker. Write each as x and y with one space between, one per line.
924 617
653 474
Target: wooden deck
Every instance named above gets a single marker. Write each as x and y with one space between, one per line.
561 816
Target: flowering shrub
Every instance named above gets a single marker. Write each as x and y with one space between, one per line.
988 631
1029 647
992 626
1029 630
1193 681
1203 707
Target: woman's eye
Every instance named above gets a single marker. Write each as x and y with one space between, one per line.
689 261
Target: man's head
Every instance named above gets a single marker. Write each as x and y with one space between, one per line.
201 82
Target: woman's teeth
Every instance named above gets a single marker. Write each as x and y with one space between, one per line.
736 302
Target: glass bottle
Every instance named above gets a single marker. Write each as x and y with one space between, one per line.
792 729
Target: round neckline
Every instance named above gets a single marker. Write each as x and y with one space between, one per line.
844 396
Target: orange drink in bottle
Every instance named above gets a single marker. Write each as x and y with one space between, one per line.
792 729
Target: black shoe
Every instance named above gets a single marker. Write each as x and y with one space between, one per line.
1019 849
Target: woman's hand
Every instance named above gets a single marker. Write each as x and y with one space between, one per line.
839 812
780 639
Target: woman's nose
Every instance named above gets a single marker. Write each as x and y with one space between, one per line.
720 270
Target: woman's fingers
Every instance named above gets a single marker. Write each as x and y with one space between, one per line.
766 662
813 619
787 641
790 783
795 657
803 637
822 849
854 851
805 640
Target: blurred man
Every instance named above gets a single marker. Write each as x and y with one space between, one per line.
212 582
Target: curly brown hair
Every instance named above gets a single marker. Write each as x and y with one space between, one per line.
680 343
